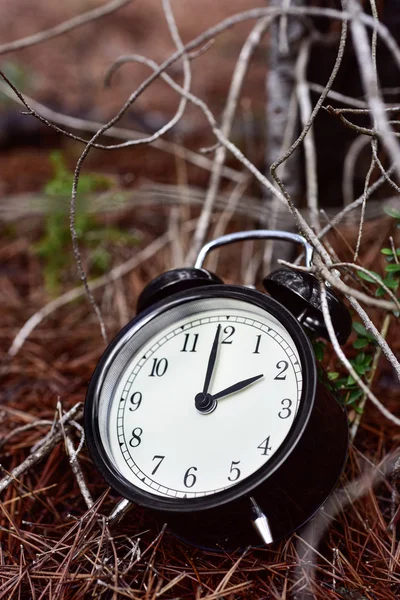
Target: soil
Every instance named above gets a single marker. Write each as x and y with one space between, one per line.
51 545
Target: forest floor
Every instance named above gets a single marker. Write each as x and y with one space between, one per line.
51 544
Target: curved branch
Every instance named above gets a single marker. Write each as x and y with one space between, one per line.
78 21
340 354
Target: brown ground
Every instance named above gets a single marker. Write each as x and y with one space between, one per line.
50 546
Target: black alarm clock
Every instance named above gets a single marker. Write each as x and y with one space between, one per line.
209 408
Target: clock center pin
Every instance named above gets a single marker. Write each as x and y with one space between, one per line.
205 403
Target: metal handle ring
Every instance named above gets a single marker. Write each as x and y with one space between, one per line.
255 234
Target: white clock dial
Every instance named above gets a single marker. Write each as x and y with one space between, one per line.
155 435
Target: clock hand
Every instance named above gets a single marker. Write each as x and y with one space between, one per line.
203 401
236 387
211 361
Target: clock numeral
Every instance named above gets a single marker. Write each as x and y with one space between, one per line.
159 367
265 447
190 478
235 472
282 364
160 459
229 331
135 402
186 342
136 439
257 350
286 410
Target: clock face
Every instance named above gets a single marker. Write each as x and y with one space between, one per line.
196 399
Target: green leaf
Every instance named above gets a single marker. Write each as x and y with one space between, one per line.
350 380
332 375
319 349
387 251
101 259
392 212
360 342
359 358
360 369
367 277
391 282
380 292
360 329
394 268
354 396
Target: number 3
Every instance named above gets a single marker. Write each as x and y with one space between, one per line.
286 410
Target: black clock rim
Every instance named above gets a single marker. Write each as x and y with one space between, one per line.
309 370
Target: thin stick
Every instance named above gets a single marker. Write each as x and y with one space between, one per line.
342 357
235 88
22 429
100 282
369 80
372 275
363 206
316 87
374 146
49 117
77 471
369 326
349 165
348 209
73 414
307 127
370 378
64 27
310 154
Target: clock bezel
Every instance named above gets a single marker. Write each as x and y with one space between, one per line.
93 437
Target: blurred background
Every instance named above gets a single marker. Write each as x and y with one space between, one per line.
137 211
67 75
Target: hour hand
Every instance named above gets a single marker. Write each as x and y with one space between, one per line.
236 387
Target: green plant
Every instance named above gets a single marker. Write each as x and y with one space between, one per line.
392 269
19 75
55 244
361 363
364 341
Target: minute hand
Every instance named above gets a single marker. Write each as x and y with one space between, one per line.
236 387
211 360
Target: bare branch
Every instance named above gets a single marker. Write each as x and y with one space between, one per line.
338 284
348 209
369 326
50 117
352 155
388 179
95 284
316 87
377 279
239 74
369 79
363 206
303 95
370 378
342 357
44 449
73 23
77 471
187 79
